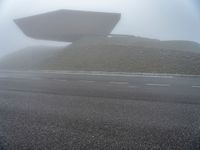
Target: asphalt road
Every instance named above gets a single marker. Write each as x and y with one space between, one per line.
62 110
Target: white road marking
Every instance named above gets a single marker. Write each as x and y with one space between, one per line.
87 81
196 86
103 73
113 82
132 86
123 75
117 74
163 85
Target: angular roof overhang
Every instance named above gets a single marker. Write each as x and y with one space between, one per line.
68 25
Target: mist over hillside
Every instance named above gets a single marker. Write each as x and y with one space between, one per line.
142 42
28 58
117 53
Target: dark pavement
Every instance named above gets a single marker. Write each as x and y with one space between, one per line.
62 110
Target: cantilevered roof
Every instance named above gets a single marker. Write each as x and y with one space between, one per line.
68 25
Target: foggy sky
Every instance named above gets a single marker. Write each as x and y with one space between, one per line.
160 19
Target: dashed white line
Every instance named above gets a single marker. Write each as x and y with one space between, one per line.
87 81
163 85
122 83
196 86
132 86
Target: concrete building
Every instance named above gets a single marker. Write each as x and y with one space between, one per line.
68 25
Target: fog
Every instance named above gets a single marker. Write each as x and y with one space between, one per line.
165 20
